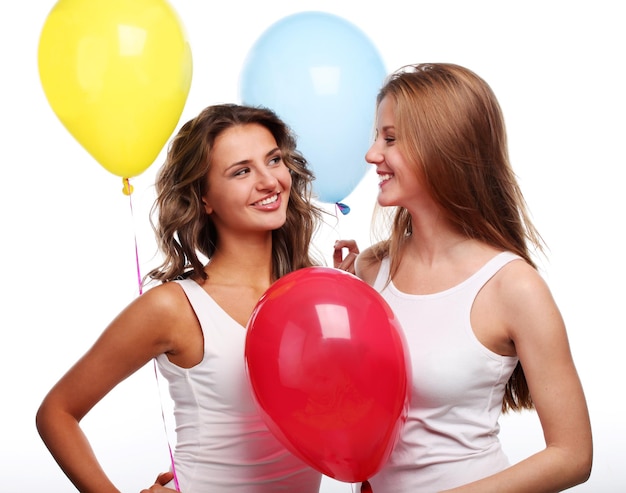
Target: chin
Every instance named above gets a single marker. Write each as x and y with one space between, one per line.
384 202
279 223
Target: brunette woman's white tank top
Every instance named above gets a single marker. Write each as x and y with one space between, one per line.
222 443
451 435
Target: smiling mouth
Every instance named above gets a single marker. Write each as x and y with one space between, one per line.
384 178
268 200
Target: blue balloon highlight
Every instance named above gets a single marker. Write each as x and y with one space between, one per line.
320 74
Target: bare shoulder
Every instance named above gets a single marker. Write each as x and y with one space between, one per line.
367 266
519 281
166 313
524 298
163 307
165 298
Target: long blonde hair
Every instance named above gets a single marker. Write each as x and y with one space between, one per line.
450 125
185 232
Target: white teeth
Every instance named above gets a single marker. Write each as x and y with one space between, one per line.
268 200
382 178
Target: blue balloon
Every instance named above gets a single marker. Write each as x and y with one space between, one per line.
320 74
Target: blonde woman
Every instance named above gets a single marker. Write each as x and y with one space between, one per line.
484 332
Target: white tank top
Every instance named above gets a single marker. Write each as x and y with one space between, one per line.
222 443
451 435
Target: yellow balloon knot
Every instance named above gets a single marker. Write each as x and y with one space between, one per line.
128 188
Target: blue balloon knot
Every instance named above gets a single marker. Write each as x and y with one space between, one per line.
343 208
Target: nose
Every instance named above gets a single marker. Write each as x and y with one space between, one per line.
374 155
266 180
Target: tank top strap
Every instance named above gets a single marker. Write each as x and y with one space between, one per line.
488 270
383 274
196 295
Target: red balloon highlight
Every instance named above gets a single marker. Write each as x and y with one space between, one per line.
329 370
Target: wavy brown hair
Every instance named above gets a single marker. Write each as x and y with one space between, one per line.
450 125
184 231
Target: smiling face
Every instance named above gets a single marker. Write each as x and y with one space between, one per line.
399 182
248 182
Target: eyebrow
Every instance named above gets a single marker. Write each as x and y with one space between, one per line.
246 161
385 129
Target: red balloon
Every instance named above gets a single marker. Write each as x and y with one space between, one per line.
329 370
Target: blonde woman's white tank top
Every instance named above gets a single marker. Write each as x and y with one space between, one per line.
451 435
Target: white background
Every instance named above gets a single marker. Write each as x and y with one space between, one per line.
68 233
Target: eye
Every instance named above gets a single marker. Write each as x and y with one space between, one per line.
275 160
390 140
241 172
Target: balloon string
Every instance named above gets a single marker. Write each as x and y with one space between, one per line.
169 447
128 190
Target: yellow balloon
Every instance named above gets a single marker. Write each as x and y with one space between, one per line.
117 74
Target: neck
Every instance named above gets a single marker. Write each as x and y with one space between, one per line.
433 238
242 262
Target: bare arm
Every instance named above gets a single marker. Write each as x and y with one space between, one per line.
141 332
533 323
